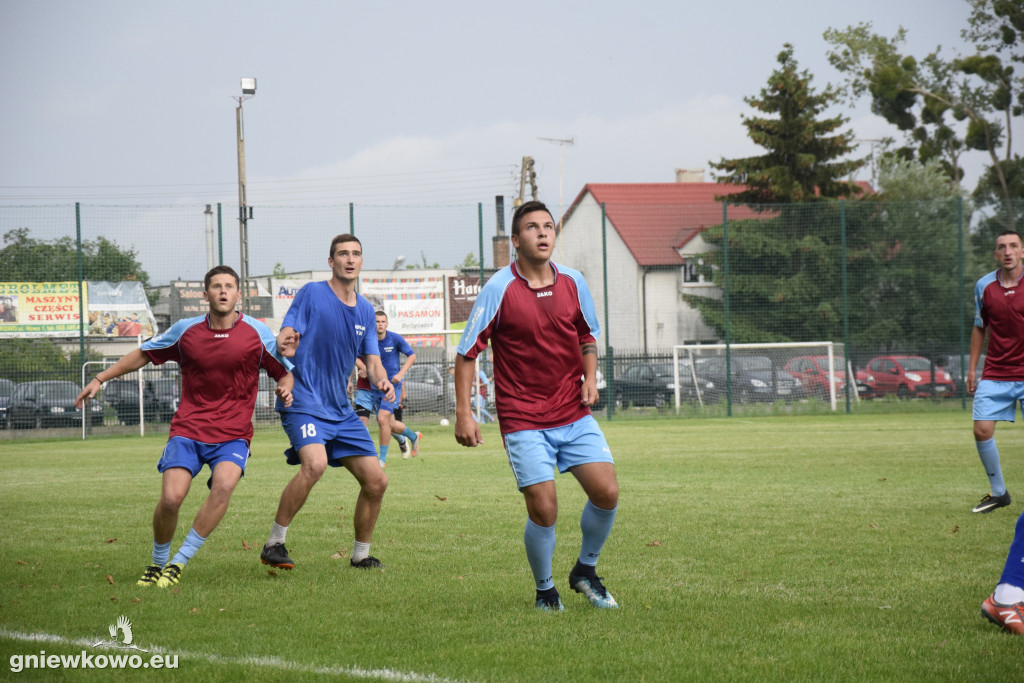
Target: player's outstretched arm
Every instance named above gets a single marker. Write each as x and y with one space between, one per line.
467 431
378 376
130 362
977 344
283 390
288 341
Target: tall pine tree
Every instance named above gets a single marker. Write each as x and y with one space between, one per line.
803 161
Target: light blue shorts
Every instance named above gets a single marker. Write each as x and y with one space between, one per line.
373 399
997 400
534 454
342 438
192 455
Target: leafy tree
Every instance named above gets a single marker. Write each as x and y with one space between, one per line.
279 271
901 179
803 162
471 262
25 259
25 360
920 96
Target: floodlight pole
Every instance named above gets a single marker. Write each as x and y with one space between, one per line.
248 90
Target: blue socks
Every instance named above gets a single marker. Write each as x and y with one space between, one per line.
409 434
1013 573
383 454
595 524
989 454
540 548
193 542
161 553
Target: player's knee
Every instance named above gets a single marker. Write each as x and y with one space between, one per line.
375 487
983 432
170 501
313 470
606 497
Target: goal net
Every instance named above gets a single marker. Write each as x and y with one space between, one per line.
705 374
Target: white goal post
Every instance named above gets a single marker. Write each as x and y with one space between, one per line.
761 372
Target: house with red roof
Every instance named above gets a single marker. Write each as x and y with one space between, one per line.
654 244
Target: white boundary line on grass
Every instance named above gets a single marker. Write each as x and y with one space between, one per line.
268 662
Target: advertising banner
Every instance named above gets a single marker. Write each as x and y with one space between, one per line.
119 309
187 301
40 309
462 293
415 305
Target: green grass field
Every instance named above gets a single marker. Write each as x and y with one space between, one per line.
786 548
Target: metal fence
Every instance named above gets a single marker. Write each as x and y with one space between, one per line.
891 283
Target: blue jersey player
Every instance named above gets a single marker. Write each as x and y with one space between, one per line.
369 400
326 328
540 320
220 355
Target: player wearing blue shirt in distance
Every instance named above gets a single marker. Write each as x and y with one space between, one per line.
326 328
369 400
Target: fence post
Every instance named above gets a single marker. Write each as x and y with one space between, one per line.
351 218
81 286
480 230
960 293
725 307
609 381
846 303
220 237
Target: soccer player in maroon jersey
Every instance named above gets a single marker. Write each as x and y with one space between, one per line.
999 309
220 355
540 320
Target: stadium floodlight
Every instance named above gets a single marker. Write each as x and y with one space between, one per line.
248 91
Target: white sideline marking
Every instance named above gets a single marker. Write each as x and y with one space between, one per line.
269 662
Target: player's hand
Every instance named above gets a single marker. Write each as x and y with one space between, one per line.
288 342
588 393
283 390
972 381
388 388
88 392
467 431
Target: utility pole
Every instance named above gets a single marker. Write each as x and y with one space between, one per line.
526 174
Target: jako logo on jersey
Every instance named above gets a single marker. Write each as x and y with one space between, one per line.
221 336
1009 293
540 294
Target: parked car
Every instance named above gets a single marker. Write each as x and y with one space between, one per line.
951 364
812 371
6 389
754 378
653 384
49 404
429 389
160 399
904 376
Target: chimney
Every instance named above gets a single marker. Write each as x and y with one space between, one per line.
689 175
500 247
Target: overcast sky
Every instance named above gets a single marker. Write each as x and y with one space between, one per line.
111 102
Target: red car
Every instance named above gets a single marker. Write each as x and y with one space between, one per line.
812 371
905 376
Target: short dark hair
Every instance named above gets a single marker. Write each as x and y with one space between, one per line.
376 313
528 207
219 270
341 239
1004 233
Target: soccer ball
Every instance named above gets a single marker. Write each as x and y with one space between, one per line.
444 421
